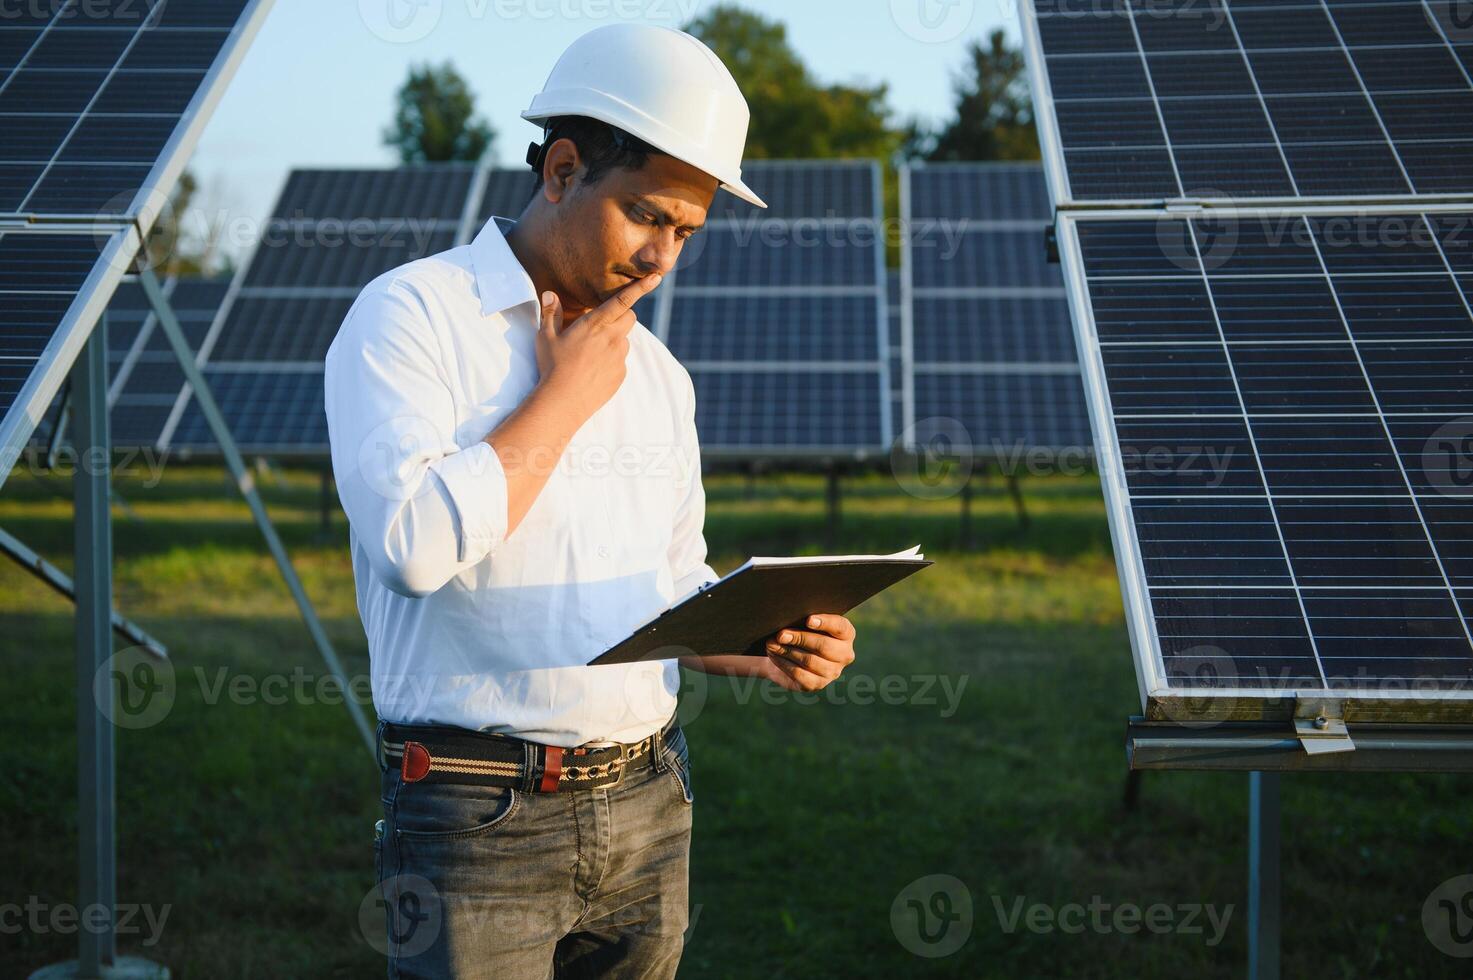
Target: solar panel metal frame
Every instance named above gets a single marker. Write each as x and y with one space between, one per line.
880 364
908 292
1052 146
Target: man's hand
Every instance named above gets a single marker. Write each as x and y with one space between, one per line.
584 361
811 659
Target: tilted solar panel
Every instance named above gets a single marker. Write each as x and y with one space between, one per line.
331 232
1148 100
100 105
1283 403
97 98
143 374
798 292
989 341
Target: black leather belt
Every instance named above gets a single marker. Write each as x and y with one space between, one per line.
448 754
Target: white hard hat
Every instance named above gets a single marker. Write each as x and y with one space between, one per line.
660 85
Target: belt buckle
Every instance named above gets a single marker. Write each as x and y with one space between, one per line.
620 763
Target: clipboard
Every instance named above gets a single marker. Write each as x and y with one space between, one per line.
738 612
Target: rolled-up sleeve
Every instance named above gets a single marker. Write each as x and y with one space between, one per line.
688 542
422 507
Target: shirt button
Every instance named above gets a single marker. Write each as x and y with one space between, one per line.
603 552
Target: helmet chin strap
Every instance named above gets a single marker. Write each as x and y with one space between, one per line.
537 152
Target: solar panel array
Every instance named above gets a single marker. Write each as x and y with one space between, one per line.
330 233
1160 99
781 315
781 319
987 335
1282 393
100 104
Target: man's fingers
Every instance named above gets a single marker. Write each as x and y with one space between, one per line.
800 678
552 313
821 644
833 624
625 298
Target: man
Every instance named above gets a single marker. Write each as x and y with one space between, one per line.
518 461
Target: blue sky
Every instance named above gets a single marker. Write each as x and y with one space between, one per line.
318 85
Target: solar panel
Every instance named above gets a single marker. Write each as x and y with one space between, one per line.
52 288
989 341
504 192
144 375
331 232
100 105
101 98
756 293
1283 400
1149 100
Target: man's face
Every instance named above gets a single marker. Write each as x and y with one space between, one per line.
628 224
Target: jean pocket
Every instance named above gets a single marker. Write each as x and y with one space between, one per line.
677 758
452 811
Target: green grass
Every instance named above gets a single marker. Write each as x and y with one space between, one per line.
252 823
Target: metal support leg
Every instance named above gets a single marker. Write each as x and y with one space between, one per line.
1263 875
94 560
325 501
61 582
832 496
966 529
246 485
1017 495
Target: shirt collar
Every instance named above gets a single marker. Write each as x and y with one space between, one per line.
500 278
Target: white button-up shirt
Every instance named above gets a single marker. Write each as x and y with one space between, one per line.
468 625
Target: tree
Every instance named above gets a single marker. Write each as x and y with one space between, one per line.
793 115
994 112
435 120
170 250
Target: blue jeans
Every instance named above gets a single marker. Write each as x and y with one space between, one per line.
493 882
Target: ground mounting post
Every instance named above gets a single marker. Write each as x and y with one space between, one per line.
246 485
967 538
97 952
1264 825
834 512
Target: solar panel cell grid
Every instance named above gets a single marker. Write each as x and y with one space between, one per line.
94 94
991 345
1201 98
1285 470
